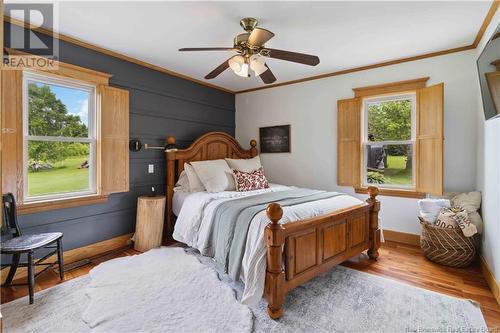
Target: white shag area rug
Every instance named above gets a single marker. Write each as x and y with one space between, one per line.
168 290
162 290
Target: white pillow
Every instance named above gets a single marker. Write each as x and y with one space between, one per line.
195 184
183 183
244 164
471 202
215 175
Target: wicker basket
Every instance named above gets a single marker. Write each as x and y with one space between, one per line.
447 246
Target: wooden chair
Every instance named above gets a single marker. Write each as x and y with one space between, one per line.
16 244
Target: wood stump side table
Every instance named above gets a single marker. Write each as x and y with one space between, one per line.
149 222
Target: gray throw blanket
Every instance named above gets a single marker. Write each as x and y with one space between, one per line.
231 220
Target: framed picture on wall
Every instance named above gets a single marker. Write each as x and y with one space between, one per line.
274 139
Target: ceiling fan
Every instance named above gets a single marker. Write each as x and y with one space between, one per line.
251 53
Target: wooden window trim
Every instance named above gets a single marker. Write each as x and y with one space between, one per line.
114 119
64 71
393 192
11 133
430 139
390 88
42 206
414 86
349 142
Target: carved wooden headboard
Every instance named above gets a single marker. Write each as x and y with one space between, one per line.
210 146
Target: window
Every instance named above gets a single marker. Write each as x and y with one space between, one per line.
391 136
388 141
59 138
65 135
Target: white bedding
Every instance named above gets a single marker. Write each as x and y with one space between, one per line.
178 201
195 216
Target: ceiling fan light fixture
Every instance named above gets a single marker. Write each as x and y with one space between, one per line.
251 54
239 65
258 64
236 63
243 72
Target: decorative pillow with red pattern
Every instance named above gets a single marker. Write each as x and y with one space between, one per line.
250 181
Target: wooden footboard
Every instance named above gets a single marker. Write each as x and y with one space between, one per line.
299 251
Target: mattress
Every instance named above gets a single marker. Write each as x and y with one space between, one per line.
196 214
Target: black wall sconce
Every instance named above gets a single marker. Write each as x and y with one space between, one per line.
136 145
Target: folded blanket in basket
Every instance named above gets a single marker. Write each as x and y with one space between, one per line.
428 209
456 218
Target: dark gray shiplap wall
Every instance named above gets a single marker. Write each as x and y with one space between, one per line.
160 105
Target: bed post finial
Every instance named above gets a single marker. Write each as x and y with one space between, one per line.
274 212
275 276
374 226
373 191
253 149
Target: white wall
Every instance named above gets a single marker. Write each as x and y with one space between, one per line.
488 172
310 108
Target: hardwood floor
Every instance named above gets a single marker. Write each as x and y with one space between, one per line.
404 263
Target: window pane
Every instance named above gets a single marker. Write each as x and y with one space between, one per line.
57 167
389 120
57 111
389 165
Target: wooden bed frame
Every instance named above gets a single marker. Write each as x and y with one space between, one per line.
297 251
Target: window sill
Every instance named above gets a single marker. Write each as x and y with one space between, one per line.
393 192
53 204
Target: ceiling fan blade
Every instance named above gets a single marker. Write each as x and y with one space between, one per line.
268 76
221 68
207 49
259 37
301 58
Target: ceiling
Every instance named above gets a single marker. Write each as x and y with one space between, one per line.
343 34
